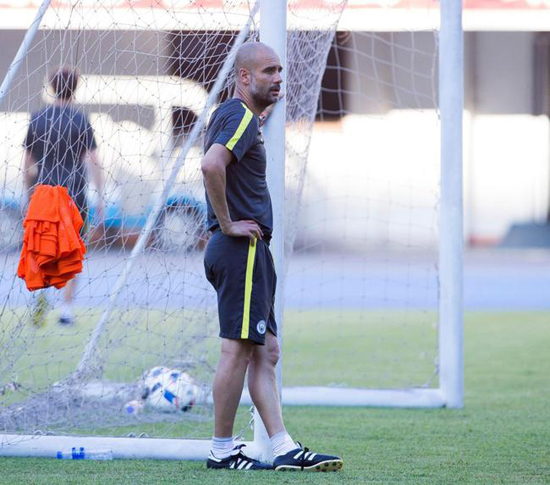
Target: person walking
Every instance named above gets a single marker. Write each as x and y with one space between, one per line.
60 149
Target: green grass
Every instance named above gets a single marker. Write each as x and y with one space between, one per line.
393 348
501 436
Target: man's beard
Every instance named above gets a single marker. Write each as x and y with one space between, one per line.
261 98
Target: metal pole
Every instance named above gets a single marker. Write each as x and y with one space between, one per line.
273 33
23 49
451 101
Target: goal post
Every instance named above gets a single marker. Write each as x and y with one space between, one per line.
23 50
273 33
450 392
451 103
367 247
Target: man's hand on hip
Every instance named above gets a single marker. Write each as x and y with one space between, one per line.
249 229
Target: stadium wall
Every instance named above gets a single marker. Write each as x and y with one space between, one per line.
507 146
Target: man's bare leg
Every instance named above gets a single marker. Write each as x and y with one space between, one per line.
66 316
228 383
262 384
228 387
70 288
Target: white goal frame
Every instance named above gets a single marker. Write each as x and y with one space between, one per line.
450 391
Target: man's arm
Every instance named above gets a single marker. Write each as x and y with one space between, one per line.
214 164
29 170
96 172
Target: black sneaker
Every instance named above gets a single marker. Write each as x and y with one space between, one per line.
237 461
302 459
65 320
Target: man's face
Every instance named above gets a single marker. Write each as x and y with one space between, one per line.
265 79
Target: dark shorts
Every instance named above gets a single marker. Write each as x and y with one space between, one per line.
244 278
82 205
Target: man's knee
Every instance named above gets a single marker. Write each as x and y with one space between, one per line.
236 351
273 356
270 353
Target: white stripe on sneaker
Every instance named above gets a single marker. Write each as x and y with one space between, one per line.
298 455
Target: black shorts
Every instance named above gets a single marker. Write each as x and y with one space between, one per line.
244 278
82 205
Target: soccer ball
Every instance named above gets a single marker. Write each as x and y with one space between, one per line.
150 377
169 390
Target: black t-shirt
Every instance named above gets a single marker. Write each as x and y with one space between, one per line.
235 127
57 138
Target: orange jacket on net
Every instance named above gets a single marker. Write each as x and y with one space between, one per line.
53 250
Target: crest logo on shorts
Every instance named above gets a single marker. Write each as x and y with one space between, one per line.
260 327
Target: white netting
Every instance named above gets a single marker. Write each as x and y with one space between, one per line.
362 176
145 78
362 287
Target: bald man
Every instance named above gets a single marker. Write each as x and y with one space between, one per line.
239 265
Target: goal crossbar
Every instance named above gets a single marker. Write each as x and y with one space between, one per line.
122 448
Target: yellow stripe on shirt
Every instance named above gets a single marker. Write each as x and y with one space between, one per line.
240 129
248 289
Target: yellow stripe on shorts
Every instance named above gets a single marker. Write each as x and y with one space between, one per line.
240 129
248 289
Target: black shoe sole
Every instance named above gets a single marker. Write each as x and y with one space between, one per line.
324 466
217 466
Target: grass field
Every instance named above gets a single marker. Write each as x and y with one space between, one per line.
391 348
501 436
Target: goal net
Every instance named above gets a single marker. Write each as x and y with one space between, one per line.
361 219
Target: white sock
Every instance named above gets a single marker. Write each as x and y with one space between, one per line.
282 443
222 447
66 310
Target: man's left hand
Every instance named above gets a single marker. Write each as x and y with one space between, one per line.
266 112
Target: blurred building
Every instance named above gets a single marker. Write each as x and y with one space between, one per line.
377 119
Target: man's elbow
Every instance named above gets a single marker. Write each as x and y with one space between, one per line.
209 167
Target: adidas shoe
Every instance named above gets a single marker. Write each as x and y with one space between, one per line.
302 459
236 461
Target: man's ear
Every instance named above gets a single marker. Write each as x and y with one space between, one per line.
244 76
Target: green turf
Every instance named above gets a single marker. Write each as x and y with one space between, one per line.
392 348
501 436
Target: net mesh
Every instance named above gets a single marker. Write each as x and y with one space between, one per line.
360 224
144 81
363 279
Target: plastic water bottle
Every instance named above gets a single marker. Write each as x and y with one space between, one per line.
86 454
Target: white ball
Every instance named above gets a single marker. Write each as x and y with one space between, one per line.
170 390
152 375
